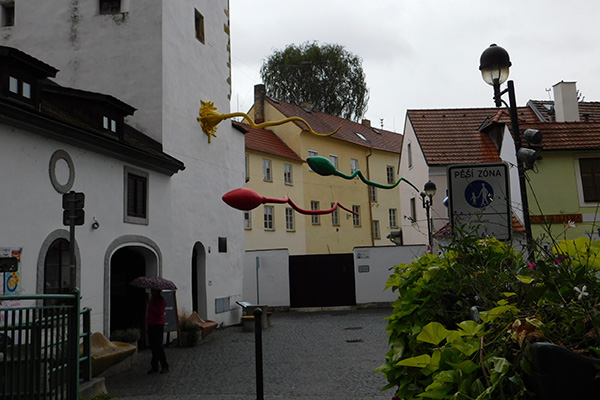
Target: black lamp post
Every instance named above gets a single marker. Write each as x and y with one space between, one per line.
494 66
427 198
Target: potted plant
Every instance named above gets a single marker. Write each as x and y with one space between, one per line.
190 331
465 321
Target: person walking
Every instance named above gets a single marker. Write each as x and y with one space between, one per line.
155 321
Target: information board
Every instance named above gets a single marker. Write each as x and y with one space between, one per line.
479 197
171 317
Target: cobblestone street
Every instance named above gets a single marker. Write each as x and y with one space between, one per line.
306 355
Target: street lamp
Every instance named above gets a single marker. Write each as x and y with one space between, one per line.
427 198
494 65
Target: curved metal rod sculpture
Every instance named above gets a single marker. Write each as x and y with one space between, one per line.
324 167
247 199
209 119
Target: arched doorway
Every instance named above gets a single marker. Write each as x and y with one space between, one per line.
59 272
127 303
199 280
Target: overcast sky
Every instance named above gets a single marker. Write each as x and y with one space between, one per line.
425 53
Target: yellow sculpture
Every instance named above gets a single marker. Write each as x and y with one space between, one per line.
209 119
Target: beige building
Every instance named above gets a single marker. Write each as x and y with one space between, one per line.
375 152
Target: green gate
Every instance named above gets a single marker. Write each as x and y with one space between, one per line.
40 352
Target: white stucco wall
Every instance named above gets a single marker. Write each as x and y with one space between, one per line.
273 277
32 210
149 58
372 268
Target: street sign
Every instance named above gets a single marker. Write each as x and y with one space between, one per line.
78 217
479 197
9 264
73 203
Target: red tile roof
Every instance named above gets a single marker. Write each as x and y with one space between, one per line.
324 123
587 109
567 135
265 141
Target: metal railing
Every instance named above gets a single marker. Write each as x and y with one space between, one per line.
40 352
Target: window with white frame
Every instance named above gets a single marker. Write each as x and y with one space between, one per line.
314 219
269 218
373 194
287 174
589 169
413 210
247 220
7 11
356 216
109 124
19 87
136 197
247 167
389 171
110 6
376 230
312 153
334 160
353 165
289 219
393 216
335 216
267 173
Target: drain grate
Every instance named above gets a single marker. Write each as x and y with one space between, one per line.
353 328
354 341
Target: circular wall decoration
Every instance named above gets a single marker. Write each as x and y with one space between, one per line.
62 171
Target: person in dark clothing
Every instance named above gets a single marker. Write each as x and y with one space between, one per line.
155 321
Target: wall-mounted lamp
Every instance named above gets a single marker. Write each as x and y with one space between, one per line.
95 223
427 198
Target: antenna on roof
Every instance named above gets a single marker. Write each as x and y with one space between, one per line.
381 122
549 90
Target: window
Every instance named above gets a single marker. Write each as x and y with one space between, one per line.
110 6
109 124
289 219
8 14
335 216
287 174
334 160
393 213
267 176
269 219
373 194
314 205
19 87
353 165
356 217
222 245
59 273
136 197
389 170
376 230
590 178
312 153
409 155
247 168
247 220
413 210
199 26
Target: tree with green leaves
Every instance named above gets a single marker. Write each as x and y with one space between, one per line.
327 76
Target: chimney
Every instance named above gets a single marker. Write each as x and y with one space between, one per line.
260 93
565 102
366 122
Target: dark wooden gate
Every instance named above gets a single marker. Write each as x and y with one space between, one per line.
325 280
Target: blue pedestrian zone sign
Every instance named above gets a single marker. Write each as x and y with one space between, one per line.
479 198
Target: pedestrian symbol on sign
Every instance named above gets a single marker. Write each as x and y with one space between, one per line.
479 194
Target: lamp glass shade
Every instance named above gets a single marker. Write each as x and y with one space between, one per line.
494 65
430 189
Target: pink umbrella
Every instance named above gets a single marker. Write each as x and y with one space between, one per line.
153 282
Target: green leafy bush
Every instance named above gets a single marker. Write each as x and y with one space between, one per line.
463 320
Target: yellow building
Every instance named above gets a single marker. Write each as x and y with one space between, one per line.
375 152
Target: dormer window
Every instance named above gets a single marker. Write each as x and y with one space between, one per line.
109 124
19 87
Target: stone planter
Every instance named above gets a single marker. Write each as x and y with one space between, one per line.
559 373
